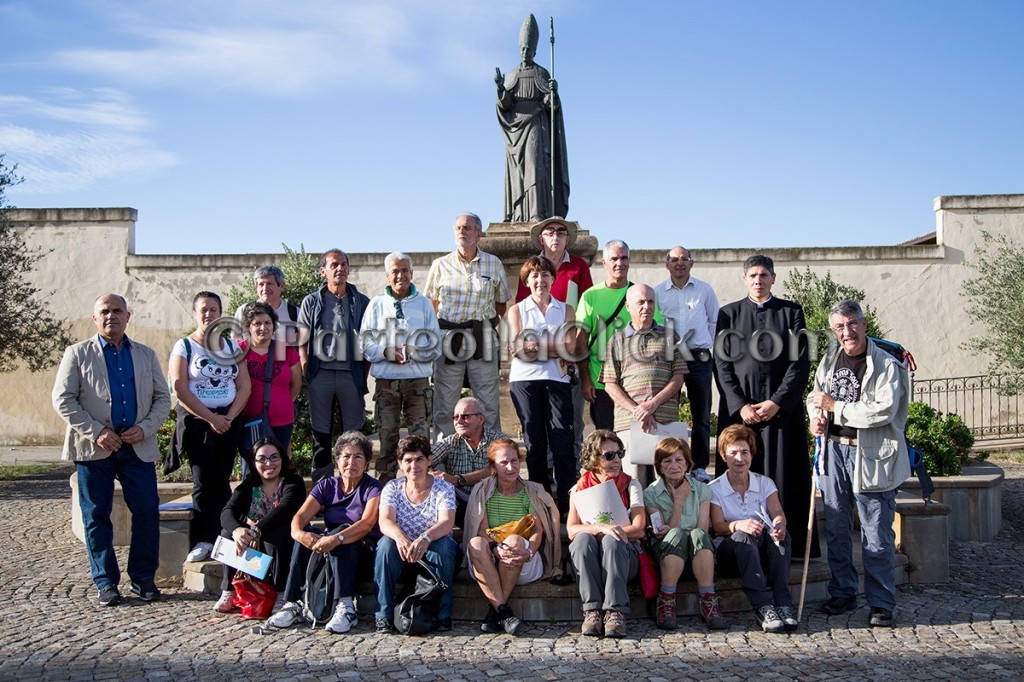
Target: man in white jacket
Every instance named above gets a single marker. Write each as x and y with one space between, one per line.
859 404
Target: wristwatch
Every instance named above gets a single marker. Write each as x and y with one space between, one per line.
461 480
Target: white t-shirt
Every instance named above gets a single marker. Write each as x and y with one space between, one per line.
210 379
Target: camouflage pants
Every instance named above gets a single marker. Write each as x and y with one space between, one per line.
395 399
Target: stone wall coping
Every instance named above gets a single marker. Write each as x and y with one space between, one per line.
983 475
71 215
978 202
909 505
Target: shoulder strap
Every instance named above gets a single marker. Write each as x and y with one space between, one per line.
293 311
608 322
188 349
268 377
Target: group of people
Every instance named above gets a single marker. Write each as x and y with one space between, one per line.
625 349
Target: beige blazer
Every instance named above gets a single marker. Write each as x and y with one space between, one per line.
81 396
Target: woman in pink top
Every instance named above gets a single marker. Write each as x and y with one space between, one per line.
286 379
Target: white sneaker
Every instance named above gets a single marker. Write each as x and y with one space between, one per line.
201 552
226 603
342 621
286 616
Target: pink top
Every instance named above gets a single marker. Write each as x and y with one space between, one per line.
282 409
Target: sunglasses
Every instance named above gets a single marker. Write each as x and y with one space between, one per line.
613 455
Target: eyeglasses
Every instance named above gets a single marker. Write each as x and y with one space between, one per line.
851 325
464 417
613 455
679 259
264 459
560 232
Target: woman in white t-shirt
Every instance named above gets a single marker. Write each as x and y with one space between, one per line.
541 329
417 513
747 517
212 388
606 556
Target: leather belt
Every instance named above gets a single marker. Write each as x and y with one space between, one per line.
843 440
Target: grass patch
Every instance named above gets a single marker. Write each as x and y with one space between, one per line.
10 472
1008 455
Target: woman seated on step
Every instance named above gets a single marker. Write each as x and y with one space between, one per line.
606 555
526 544
747 517
682 507
350 503
259 515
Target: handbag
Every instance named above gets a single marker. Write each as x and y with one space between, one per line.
649 581
253 596
416 612
522 527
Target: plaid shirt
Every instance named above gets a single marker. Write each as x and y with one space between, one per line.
454 456
638 361
467 291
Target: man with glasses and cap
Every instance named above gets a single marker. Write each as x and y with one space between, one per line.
400 338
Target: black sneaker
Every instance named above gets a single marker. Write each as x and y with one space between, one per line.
838 605
508 620
444 625
490 624
880 618
384 626
109 596
147 592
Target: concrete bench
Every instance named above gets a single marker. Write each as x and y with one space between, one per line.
922 534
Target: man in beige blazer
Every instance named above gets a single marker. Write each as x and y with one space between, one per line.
111 392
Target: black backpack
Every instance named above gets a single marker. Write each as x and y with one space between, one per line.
321 575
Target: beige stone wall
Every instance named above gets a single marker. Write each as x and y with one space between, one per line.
915 289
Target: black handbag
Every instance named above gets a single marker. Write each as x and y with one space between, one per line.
416 611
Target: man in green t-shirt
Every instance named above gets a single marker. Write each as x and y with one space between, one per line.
602 312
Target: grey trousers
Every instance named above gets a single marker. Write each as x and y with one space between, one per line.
483 382
604 568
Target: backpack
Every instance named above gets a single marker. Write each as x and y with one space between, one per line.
321 576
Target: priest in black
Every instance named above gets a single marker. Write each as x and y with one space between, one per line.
762 367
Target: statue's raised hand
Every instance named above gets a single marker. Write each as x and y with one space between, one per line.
499 79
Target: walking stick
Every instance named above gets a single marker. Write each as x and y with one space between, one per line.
818 451
552 19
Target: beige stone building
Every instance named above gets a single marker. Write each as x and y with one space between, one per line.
915 286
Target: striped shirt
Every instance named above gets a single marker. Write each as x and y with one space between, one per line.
642 363
467 291
502 509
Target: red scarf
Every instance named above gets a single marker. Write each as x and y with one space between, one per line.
590 479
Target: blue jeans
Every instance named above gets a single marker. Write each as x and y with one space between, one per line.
877 538
698 391
96 499
442 556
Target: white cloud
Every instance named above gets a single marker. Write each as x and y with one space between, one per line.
89 137
300 47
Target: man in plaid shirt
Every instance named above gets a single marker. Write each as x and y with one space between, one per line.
469 290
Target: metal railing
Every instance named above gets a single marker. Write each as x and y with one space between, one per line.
982 402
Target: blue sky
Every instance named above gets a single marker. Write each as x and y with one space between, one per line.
236 125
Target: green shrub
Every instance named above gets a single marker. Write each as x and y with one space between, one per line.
945 441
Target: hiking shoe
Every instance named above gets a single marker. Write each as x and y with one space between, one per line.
838 605
701 475
614 624
147 592
286 616
490 623
508 621
880 618
665 612
201 552
342 621
383 626
226 603
711 612
788 616
593 625
109 596
769 619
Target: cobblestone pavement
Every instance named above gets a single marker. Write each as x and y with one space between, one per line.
53 628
